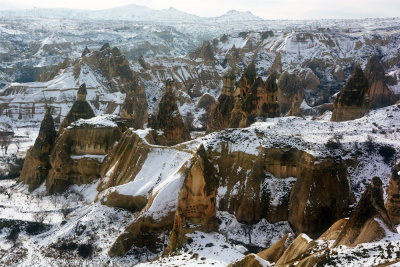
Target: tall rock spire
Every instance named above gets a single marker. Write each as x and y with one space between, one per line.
36 165
79 110
353 101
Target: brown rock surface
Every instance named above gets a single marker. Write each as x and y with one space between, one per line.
169 120
249 180
134 112
352 102
393 197
205 52
369 221
289 86
196 210
37 164
221 114
320 196
296 250
273 253
70 163
378 92
79 110
116 70
250 260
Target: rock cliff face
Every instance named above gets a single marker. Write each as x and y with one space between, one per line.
221 114
289 87
37 164
353 100
393 199
369 220
205 52
196 209
302 203
132 110
169 120
79 153
367 223
252 99
378 92
79 110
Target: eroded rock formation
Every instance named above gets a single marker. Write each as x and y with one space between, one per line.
352 102
220 116
289 86
205 52
196 210
378 92
79 153
134 112
252 99
37 164
79 110
393 199
369 221
169 120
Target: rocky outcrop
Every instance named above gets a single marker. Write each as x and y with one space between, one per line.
37 164
273 253
85 51
134 112
196 210
352 102
115 68
251 100
79 152
205 52
79 110
378 92
369 221
311 211
220 116
302 201
393 196
297 100
169 121
250 260
289 86
261 101
47 76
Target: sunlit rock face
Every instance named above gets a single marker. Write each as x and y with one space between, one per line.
353 100
37 164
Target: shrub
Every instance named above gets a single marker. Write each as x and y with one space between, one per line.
370 144
387 152
85 250
35 228
333 144
13 235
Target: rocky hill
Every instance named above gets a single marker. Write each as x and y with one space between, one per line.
257 148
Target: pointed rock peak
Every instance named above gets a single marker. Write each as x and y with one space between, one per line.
105 46
374 69
47 132
115 51
205 52
82 92
358 71
230 74
271 82
169 84
85 51
368 218
250 73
